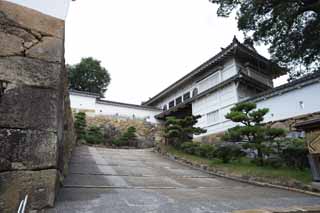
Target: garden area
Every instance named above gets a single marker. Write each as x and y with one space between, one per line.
250 150
113 132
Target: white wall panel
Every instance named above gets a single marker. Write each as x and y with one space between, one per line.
126 111
82 102
79 102
221 100
294 103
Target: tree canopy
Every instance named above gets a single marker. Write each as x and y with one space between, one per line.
180 130
258 136
88 76
291 28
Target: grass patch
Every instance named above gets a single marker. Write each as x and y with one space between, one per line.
244 167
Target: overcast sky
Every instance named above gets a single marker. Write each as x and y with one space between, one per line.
146 44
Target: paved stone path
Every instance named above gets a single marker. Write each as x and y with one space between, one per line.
138 181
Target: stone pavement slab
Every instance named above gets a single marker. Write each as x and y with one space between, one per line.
115 181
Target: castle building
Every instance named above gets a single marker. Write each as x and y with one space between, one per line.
236 74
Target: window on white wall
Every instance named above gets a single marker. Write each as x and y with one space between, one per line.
195 92
301 104
213 117
178 100
186 96
171 104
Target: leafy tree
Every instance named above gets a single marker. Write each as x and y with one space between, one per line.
80 125
290 27
258 136
88 76
180 130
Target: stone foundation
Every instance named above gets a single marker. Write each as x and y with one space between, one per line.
36 127
113 126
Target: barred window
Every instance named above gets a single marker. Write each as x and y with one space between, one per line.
186 96
178 100
171 104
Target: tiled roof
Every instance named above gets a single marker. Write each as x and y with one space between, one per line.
84 93
218 58
100 101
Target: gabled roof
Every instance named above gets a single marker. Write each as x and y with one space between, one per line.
235 48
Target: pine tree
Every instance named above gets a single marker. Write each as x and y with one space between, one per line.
258 136
178 131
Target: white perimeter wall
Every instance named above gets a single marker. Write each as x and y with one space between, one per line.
127 111
82 102
297 102
79 102
301 101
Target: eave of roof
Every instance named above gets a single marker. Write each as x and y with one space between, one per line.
308 125
100 101
226 52
85 94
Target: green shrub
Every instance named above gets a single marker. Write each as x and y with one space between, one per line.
295 154
128 138
205 150
80 125
189 147
228 153
274 162
94 135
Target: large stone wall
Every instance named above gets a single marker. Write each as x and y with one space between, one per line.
36 128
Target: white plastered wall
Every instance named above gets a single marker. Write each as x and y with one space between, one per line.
93 108
219 101
127 111
296 102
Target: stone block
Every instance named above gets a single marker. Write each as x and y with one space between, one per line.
28 149
19 32
10 45
26 107
32 19
32 72
39 185
69 139
49 49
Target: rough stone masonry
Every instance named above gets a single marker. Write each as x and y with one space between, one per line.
36 128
